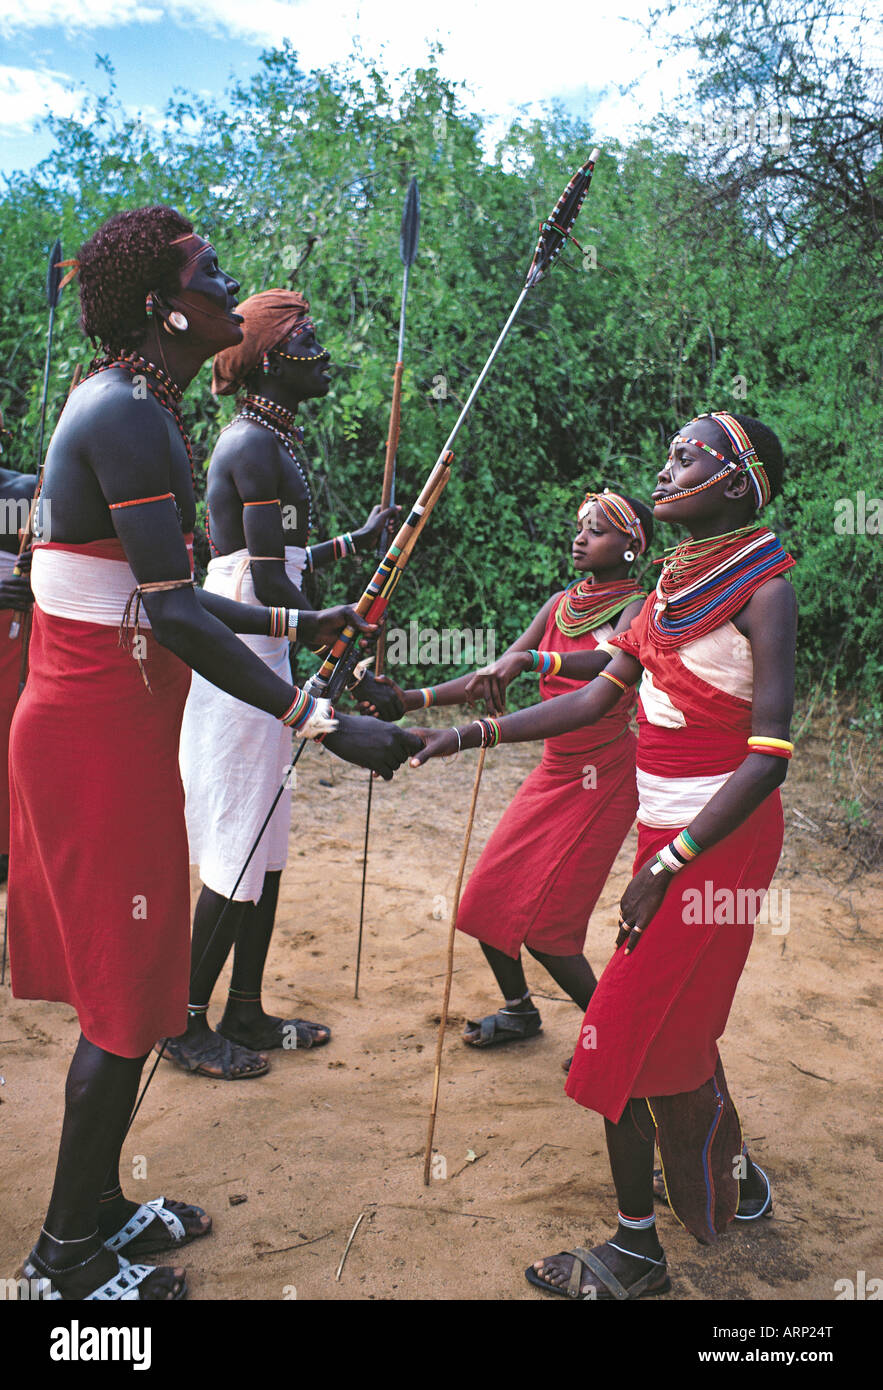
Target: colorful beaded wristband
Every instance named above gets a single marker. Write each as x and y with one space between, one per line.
547 663
427 695
343 545
490 732
283 622
675 856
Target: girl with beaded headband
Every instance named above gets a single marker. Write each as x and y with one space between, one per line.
715 644
261 515
543 869
99 890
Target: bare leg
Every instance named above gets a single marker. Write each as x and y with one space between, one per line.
200 1045
572 973
99 1096
244 1017
630 1253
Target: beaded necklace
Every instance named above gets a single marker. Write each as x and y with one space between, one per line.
703 583
279 421
587 605
160 385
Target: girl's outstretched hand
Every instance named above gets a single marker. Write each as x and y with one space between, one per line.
437 743
489 684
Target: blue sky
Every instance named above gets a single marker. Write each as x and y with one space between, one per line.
508 51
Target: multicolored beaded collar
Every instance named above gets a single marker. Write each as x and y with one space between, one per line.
704 582
279 421
586 605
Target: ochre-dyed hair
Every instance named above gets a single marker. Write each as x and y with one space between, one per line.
130 255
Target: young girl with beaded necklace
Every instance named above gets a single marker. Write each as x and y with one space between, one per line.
715 644
543 868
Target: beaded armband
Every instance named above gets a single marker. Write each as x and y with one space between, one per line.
616 681
343 545
427 695
283 622
775 747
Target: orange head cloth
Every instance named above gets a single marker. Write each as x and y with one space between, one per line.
269 318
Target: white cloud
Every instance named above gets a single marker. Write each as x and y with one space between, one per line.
20 15
28 94
510 53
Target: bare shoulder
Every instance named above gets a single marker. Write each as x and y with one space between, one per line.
770 613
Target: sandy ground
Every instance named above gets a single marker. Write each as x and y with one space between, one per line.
287 1163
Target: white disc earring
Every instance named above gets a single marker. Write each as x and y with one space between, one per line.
178 321
628 556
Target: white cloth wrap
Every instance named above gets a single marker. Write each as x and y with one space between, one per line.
85 588
233 756
721 658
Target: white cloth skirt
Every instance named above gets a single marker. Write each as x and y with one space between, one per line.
233 757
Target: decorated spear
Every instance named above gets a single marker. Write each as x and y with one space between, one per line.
553 234
408 237
337 668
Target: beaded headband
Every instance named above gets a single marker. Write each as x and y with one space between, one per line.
746 459
301 327
618 511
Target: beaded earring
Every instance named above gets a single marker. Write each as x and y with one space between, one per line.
266 362
148 306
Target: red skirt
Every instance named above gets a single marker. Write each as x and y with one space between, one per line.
10 670
99 882
544 866
653 1023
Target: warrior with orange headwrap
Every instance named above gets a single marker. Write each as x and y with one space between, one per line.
233 757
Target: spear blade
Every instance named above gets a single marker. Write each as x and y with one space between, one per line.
410 232
53 275
557 227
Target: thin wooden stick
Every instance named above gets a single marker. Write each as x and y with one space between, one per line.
348 1244
442 1023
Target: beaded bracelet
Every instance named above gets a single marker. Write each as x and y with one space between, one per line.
427 695
283 622
675 856
309 717
547 663
343 545
490 732
776 747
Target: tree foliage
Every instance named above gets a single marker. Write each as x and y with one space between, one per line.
680 302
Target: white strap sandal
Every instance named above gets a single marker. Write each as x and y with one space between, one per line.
145 1216
122 1286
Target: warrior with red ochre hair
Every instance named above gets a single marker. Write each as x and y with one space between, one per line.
99 877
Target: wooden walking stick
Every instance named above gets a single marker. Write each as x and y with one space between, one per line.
449 972
408 237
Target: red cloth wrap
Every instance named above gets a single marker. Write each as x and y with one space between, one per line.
657 1014
545 864
714 738
10 669
97 824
